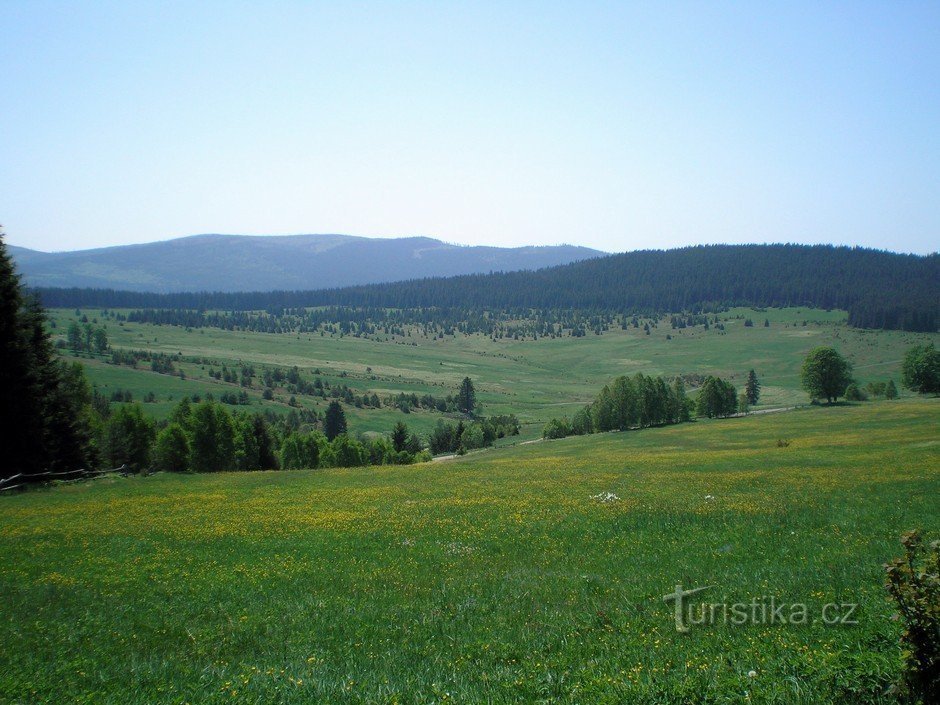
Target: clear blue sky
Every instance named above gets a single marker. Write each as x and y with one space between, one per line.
614 125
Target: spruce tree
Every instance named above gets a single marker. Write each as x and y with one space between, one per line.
752 388
399 437
334 422
466 397
891 391
44 406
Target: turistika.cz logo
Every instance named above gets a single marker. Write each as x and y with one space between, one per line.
762 610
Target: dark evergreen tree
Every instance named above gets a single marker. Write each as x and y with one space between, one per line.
716 398
128 438
441 439
45 406
400 437
891 390
334 422
752 388
466 396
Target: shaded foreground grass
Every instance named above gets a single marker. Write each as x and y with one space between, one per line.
492 578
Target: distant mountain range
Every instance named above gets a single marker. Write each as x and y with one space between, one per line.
266 263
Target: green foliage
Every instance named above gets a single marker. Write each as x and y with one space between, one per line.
301 450
472 437
254 446
891 391
854 393
128 438
637 402
347 452
583 422
716 398
826 374
920 371
556 428
171 450
212 444
442 438
914 583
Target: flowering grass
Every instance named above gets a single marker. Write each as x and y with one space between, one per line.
498 577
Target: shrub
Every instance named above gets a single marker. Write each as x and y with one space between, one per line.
556 428
854 393
300 451
914 583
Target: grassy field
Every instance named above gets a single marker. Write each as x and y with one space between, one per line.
486 579
535 379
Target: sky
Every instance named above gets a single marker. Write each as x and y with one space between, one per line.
618 126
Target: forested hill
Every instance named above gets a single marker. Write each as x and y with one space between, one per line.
879 289
268 262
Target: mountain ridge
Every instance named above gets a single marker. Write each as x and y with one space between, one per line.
276 262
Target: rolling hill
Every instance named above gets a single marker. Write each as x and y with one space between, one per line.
265 263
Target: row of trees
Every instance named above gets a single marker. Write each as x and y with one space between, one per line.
206 437
826 374
87 338
641 401
463 436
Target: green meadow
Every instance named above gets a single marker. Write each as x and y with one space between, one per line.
534 379
497 577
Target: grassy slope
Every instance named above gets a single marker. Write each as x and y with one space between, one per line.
492 578
533 379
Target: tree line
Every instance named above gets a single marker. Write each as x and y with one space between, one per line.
879 289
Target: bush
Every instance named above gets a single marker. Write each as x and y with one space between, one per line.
854 393
556 428
920 371
582 423
443 438
914 583
300 451
472 437
348 453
